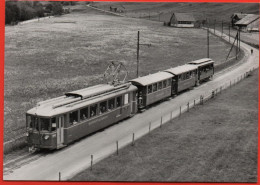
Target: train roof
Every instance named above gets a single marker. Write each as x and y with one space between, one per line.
181 69
81 98
203 61
152 78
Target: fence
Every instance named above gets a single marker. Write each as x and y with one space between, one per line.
163 119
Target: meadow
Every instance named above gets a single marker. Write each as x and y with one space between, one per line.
47 58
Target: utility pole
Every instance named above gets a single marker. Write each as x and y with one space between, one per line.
239 31
229 33
232 46
208 41
237 43
137 70
214 25
138 47
222 29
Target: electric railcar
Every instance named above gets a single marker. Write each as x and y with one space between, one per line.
55 123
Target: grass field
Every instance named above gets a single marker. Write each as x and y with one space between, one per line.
45 59
214 142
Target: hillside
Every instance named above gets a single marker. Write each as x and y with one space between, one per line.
201 11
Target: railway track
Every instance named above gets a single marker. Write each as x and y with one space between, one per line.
16 163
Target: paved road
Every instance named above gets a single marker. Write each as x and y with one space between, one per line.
76 157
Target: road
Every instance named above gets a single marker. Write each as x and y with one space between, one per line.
76 157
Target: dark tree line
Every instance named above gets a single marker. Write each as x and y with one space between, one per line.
16 11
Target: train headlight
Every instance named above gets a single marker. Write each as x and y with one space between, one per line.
46 137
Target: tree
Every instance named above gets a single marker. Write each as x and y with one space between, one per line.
57 8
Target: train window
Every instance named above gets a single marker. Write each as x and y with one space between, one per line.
83 113
45 124
150 89
188 75
154 87
73 117
126 99
118 101
111 104
169 82
103 107
93 110
164 83
160 85
53 124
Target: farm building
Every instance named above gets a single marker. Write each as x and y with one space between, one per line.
249 23
182 20
237 17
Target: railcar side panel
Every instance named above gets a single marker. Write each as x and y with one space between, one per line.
158 95
186 84
99 122
205 74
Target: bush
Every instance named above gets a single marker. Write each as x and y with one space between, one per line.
16 11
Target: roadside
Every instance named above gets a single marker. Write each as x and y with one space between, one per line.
216 142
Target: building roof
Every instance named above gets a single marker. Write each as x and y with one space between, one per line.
239 15
247 19
181 69
64 104
201 62
152 78
184 17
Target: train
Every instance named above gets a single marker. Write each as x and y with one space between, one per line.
55 123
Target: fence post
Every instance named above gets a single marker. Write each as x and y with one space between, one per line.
91 162
161 122
194 103
180 110
149 127
212 94
230 83
188 106
116 147
133 141
59 176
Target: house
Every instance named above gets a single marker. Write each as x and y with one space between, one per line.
249 23
182 20
236 17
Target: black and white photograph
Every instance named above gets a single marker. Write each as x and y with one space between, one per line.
131 91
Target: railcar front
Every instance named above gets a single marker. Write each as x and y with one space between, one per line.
152 88
205 68
41 132
56 123
184 77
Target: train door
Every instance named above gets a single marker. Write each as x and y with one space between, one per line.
60 131
174 84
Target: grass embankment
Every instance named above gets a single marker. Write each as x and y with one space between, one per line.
45 59
215 142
